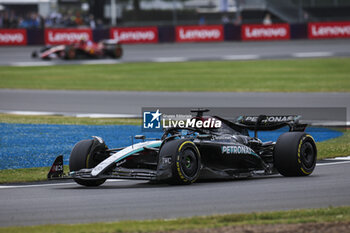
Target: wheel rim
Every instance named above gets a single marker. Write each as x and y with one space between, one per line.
189 162
307 153
118 52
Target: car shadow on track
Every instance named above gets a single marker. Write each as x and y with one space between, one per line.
130 184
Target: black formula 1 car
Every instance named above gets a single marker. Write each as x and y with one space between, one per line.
82 49
185 154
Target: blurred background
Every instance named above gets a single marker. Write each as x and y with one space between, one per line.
105 13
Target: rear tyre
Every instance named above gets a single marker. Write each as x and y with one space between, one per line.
185 161
295 154
80 158
117 52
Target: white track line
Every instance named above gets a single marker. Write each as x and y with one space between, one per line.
313 54
99 62
100 115
335 163
89 115
46 185
241 57
33 185
38 63
330 123
341 158
30 113
169 59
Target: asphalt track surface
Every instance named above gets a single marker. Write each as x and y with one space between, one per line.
49 203
123 103
175 52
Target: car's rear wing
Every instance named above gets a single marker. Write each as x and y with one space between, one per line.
264 123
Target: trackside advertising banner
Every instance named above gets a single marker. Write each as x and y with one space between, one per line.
329 30
13 37
266 32
133 35
199 33
66 36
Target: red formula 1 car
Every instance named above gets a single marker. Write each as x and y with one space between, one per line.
80 50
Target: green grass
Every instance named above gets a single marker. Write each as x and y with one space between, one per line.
332 214
336 147
25 174
302 75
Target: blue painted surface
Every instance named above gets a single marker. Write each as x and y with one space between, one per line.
319 134
36 145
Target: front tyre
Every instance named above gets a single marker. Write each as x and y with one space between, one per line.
185 161
295 154
82 157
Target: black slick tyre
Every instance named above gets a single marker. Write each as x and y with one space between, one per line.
117 52
295 154
185 161
81 158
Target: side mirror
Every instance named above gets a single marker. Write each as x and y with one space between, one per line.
141 137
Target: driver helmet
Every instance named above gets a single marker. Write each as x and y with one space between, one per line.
82 41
